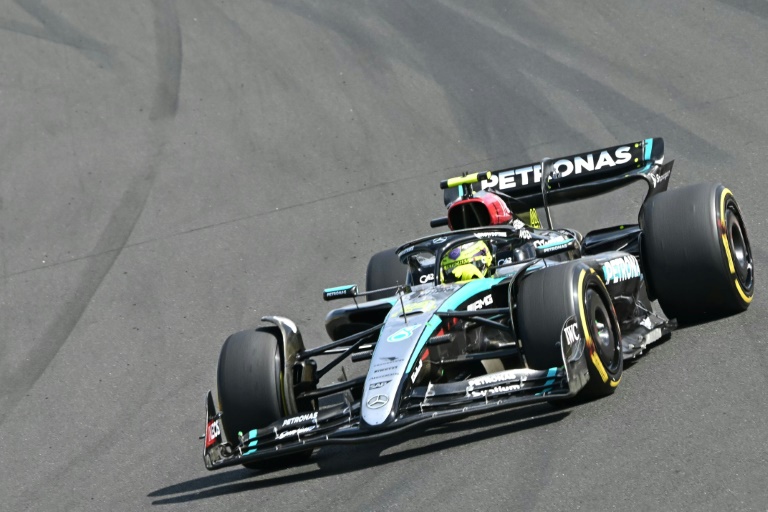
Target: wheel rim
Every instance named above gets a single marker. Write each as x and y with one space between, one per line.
601 328
740 251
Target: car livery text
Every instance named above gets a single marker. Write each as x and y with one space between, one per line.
621 269
531 174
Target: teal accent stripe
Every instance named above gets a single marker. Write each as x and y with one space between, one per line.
464 294
338 288
432 325
645 169
252 435
551 375
648 148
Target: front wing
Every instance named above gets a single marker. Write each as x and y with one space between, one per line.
424 406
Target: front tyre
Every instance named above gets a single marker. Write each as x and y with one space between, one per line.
554 296
249 381
696 252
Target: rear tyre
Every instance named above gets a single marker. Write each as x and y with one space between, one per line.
696 253
384 271
549 298
249 383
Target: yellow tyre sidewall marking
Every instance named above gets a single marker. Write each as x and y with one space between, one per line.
724 236
596 362
725 193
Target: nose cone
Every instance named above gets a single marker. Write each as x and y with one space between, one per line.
389 365
406 330
370 406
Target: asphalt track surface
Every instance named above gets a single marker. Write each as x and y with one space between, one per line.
171 171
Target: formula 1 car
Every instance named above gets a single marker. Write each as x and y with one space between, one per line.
496 312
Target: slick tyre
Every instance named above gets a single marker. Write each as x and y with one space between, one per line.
696 253
384 271
249 381
566 294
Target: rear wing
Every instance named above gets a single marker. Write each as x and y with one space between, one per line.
574 177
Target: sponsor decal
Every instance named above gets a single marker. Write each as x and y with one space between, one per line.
524 234
481 303
377 401
572 334
491 234
531 174
439 240
403 334
407 250
457 263
212 433
552 245
389 360
388 368
377 385
621 269
494 390
300 419
556 247
539 243
656 179
501 378
385 375
340 291
518 224
426 278
415 374
571 340
416 371
295 432
510 178
493 378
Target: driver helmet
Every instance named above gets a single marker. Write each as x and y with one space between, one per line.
471 260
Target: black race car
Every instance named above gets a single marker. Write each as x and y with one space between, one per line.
498 311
